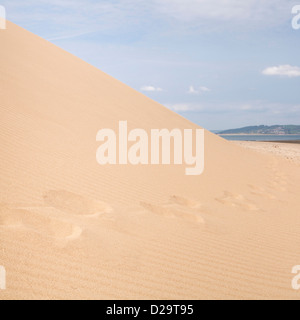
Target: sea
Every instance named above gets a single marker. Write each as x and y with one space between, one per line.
261 137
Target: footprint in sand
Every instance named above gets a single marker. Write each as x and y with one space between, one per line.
261 192
236 201
185 202
36 219
72 203
38 223
178 207
279 181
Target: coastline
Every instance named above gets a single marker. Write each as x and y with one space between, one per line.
283 141
255 134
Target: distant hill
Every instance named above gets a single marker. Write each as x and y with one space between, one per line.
275 130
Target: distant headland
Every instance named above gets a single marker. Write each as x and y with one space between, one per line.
263 130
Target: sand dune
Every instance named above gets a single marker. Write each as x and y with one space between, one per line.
72 229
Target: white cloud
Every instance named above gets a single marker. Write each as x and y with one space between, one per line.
283 70
246 107
180 107
185 107
204 89
192 90
151 89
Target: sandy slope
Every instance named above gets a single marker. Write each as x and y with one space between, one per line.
70 228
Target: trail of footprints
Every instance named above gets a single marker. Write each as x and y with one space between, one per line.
72 203
261 192
178 208
237 201
41 221
277 182
37 220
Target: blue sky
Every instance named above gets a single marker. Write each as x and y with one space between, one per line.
220 63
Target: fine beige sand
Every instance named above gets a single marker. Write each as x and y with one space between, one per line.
72 229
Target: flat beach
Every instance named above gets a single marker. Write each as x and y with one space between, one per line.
289 150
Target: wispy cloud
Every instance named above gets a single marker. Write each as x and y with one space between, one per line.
243 108
250 12
120 15
78 16
151 89
283 70
68 36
